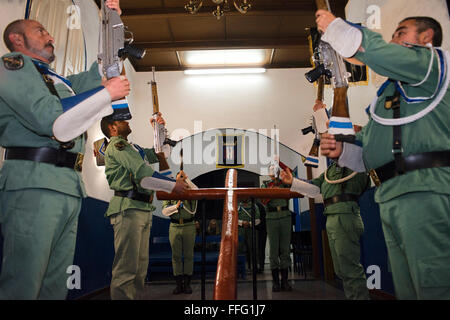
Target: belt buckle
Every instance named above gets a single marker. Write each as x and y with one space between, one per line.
78 166
181 221
278 208
374 176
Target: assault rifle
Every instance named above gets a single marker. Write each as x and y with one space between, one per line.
160 133
114 48
331 64
312 160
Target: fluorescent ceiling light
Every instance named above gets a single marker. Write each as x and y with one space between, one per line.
198 58
224 71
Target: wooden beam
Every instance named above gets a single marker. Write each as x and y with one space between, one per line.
278 43
220 193
147 68
305 8
206 11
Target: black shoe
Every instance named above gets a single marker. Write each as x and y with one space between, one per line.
285 286
276 281
179 287
187 282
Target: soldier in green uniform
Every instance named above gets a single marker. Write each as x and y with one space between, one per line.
40 182
130 209
279 229
182 240
245 229
340 189
405 145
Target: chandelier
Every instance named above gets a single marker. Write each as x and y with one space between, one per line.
222 6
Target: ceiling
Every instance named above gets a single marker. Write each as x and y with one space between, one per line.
165 29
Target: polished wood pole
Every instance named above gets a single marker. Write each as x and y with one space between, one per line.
225 287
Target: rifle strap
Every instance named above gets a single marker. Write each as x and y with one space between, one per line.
397 149
48 81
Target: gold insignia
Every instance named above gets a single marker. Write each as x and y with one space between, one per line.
119 145
388 104
79 162
374 176
13 63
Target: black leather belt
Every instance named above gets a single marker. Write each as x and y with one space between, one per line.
133 194
340 198
58 157
417 161
181 221
278 208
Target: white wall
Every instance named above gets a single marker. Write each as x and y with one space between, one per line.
192 104
10 10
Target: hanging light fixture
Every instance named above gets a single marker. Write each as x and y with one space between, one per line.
222 6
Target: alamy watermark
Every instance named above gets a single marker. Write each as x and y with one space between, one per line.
226 146
74 19
373 21
74 280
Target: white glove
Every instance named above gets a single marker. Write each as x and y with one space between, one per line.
343 37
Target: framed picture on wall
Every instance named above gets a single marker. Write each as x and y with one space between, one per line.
230 151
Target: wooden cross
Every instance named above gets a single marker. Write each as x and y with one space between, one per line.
225 287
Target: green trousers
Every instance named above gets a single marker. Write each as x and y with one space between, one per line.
416 228
344 231
245 246
182 241
279 233
39 227
131 245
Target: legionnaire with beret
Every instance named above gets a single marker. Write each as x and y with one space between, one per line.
129 174
279 230
340 188
182 239
41 185
245 229
405 145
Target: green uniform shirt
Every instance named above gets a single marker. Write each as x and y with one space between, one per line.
430 133
27 113
273 203
356 185
182 213
245 211
123 166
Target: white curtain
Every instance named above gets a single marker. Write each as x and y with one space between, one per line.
62 20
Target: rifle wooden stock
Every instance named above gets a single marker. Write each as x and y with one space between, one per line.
322 5
340 107
181 160
155 97
314 151
163 165
320 86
